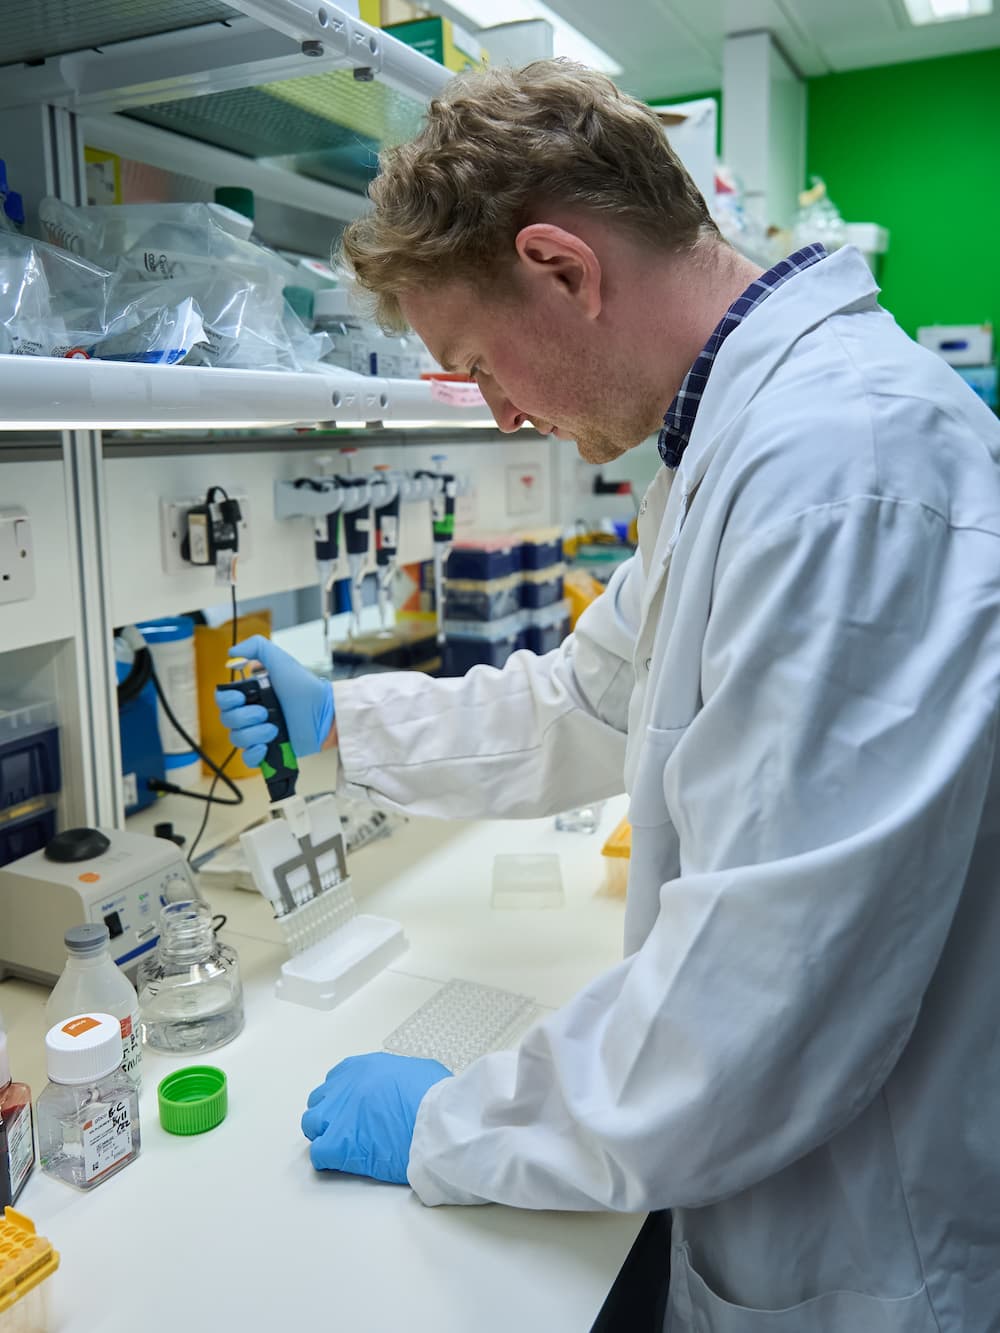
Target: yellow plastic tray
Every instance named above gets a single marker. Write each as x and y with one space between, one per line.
26 1259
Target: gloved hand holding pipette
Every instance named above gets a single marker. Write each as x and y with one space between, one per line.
306 701
361 1119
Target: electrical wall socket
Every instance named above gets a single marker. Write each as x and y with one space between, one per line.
17 559
174 528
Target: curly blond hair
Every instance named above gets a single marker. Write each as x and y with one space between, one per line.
500 146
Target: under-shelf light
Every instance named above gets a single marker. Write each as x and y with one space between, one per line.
943 11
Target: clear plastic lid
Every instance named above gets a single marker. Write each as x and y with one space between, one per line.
21 719
507 627
546 617
547 574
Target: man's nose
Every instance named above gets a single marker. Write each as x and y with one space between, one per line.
505 414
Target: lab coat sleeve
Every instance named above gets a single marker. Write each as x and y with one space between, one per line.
541 735
827 796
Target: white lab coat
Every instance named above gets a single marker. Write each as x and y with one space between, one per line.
798 680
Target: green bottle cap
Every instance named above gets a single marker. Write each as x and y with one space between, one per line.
192 1100
236 197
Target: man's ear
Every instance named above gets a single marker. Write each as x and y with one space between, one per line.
552 256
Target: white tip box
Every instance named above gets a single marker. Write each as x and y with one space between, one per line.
959 344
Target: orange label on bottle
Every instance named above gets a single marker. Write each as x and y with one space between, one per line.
91 877
76 1027
126 1027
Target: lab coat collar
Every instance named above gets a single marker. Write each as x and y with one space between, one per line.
841 281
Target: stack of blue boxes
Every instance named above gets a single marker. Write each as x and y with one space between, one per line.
503 593
30 778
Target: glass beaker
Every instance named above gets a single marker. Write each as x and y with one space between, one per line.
584 819
190 996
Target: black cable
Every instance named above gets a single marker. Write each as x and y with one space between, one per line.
171 788
208 806
219 772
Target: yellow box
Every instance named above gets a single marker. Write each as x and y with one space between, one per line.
211 649
380 13
617 853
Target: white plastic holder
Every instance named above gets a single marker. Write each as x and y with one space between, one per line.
325 974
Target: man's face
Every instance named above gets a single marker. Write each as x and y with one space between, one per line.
537 365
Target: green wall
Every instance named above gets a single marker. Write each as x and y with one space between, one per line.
916 148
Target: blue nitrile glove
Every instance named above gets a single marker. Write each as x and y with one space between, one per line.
306 701
361 1119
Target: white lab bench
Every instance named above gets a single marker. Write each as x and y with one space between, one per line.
234 1230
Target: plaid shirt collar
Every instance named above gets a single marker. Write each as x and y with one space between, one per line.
679 420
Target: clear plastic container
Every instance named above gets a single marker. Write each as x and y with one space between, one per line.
470 643
542 587
92 980
527 880
29 752
190 994
541 547
461 1022
546 628
482 599
617 853
485 557
584 819
88 1114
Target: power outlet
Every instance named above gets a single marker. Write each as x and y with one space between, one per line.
17 558
524 489
174 529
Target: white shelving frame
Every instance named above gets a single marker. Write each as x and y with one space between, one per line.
48 111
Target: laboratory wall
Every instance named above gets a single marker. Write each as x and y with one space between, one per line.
514 485
915 147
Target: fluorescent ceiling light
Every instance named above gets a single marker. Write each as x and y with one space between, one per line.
566 40
942 11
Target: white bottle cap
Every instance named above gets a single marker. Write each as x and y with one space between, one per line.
83 1049
4 1057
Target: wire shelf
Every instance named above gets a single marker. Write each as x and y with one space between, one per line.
43 28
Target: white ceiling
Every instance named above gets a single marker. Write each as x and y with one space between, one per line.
673 47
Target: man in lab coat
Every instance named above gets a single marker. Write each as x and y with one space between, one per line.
796 680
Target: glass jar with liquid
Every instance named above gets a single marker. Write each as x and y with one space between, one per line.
190 995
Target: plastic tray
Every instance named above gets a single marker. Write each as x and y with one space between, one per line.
543 588
485 558
29 752
541 547
461 655
325 974
26 1261
482 599
461 1022
21 834
617 853
527 880
545 638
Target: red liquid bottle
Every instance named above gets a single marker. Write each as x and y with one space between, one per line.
17 1139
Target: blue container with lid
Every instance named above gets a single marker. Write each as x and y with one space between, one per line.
29 752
